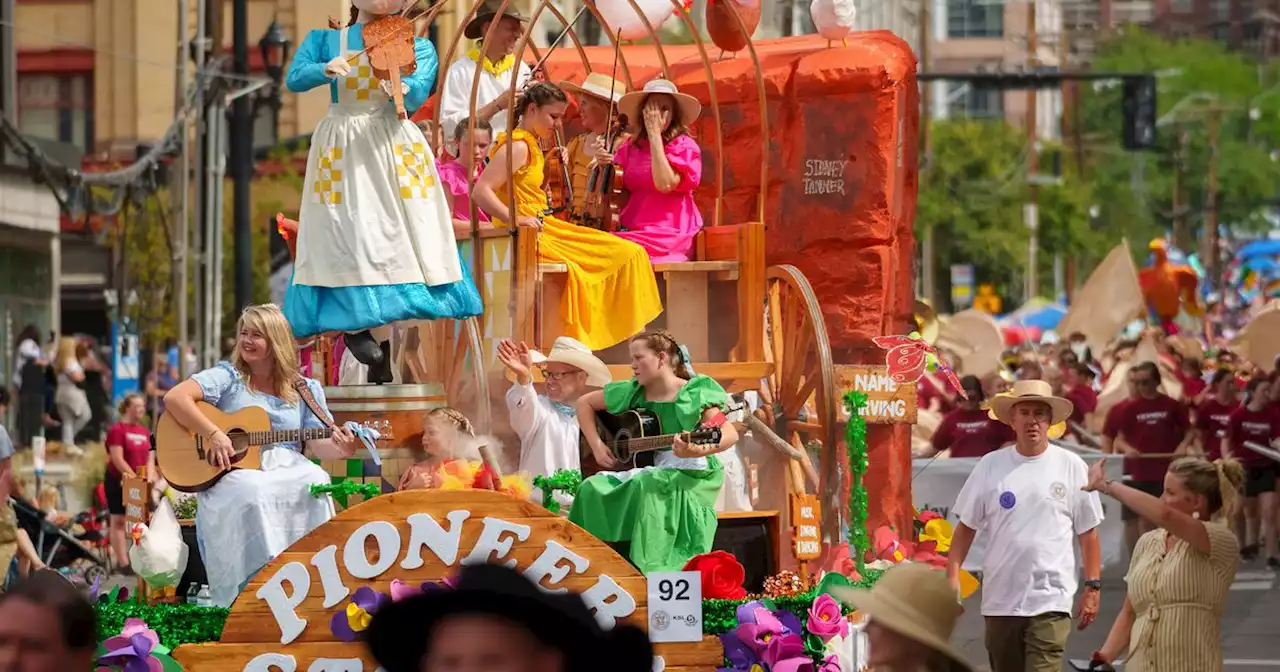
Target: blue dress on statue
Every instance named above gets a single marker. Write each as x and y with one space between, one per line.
375 232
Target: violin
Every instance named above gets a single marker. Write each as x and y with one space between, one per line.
391 53
598 207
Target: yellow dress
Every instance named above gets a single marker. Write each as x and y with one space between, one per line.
611 293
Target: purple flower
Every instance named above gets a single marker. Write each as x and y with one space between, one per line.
131 649
740 657
826 620
348 623
830 664
786 654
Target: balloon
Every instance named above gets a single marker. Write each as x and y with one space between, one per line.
725 31
620 15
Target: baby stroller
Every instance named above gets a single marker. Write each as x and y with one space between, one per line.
58 548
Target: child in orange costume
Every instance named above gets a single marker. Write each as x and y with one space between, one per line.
453 459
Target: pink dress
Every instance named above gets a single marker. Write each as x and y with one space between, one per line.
664 224
453 176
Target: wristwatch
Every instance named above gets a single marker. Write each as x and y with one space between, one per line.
1093 584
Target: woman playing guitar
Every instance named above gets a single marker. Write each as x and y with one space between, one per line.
667 512
260 513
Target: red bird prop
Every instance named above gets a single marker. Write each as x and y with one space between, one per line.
1168 288
908 357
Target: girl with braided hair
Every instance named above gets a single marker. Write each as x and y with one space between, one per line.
453 459
611 292
659 516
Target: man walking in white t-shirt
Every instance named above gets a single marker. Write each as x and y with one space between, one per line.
1027 499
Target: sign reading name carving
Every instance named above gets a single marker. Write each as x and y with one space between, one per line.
290 616
806 518
888 402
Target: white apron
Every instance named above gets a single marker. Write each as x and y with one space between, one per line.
373 210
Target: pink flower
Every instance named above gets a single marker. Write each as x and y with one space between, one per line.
826 620
786 654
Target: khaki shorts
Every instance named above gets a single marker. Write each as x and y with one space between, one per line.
1027 643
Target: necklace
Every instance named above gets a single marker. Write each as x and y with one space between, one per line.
496 69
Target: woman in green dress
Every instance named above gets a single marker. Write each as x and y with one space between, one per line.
665 512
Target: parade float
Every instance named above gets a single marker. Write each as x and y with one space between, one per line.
810 149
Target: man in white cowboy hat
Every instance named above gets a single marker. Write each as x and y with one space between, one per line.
494 54
1028 500
547 424
598 97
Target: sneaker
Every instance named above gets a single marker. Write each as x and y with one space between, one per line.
126 570
74 450
1249 552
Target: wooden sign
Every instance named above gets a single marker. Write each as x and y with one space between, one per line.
888 402
806 519
283 620
136 494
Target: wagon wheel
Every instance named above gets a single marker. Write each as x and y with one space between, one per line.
449 352
801 389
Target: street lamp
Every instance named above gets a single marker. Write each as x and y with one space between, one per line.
274 46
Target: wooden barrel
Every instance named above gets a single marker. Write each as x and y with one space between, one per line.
403 407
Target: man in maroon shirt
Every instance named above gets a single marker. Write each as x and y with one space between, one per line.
1151 423
1077 387
1256 421
969 431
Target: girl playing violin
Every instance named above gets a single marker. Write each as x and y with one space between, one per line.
597 97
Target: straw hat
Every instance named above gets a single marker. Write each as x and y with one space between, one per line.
570 351
689 106
1031 390
598 85
475 29
915 601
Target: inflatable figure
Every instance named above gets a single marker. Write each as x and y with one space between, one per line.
1166 287
987 300
375 240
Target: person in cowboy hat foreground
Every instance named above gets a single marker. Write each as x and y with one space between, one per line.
495 619
911 613
1028 500
547 424
494 54
598 96
661 167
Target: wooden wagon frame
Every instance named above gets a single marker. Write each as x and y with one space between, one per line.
779 340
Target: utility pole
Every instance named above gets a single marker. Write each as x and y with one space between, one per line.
1031 212
1070 129
182 236
1211 200
242 156
1180 239
928 261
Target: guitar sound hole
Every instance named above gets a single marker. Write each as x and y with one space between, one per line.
620 448
239 443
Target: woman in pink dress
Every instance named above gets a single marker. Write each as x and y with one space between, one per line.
659 178
477 136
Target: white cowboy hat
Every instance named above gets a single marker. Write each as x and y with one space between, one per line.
570 351
598 85
1031 390
915 601
689 106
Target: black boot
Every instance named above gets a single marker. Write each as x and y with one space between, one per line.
381 372
364 348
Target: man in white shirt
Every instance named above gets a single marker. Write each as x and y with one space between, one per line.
547 424
1028 499
497 54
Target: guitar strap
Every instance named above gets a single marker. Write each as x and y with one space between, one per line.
304 392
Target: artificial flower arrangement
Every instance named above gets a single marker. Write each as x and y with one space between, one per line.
355 618
929 543
136 649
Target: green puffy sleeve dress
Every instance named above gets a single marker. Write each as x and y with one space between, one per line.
667 511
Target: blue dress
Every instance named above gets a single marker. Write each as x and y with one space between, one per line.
375 232
251 516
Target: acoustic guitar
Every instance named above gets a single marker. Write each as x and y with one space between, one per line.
634 436
182 457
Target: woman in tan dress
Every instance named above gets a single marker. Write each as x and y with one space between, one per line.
1181 571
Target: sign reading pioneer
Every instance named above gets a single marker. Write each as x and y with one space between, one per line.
888 402
306 608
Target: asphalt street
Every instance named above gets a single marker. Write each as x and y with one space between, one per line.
1250 625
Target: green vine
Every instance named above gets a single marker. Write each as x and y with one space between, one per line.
341 492
565 480
856 442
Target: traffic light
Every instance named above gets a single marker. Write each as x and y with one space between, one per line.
1139 130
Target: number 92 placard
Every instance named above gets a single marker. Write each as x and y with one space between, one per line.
675 607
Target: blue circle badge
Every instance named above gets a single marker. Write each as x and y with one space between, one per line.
1007 500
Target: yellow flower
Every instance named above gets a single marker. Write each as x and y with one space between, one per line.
358 618
938 530
496 69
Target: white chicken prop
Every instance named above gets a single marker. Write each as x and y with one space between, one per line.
620 15
158 554
833 18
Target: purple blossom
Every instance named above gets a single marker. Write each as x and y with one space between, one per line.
131 649
349 622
